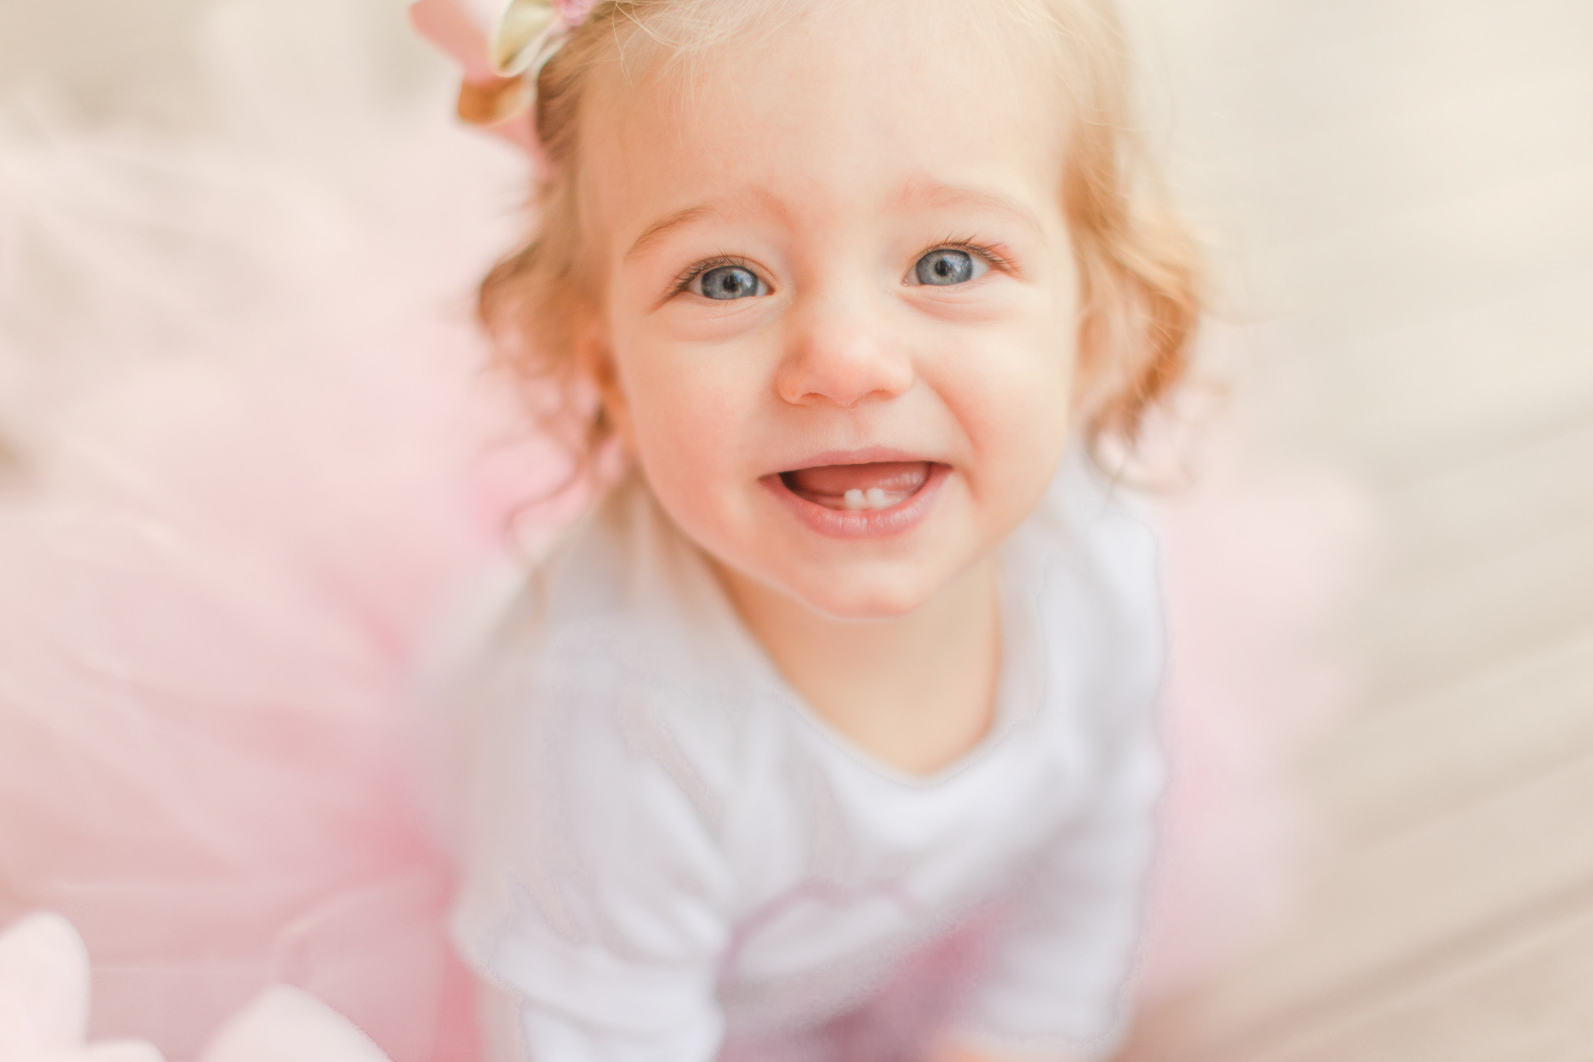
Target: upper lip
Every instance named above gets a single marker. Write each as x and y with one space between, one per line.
867 456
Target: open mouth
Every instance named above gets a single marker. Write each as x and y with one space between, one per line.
861 487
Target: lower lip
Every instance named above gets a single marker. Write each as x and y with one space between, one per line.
863 523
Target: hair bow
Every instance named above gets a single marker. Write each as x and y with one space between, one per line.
502 46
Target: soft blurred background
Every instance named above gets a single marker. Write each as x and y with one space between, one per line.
1398 202
1402 197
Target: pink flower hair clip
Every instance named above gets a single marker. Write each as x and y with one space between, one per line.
502 45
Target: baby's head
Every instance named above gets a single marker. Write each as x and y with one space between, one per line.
848 275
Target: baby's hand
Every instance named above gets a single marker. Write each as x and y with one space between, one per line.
44 1008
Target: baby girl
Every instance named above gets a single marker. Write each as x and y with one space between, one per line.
829 733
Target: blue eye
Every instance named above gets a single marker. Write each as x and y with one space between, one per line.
948 266
729 282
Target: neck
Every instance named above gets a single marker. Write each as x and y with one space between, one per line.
915 691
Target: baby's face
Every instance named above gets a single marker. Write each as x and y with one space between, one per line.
841 302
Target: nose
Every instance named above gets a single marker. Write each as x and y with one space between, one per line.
842 354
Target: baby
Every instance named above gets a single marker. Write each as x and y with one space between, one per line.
828 734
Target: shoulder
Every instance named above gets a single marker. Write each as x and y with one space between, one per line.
1091 558
600 751
1099 534
612 661
1099 527
623 596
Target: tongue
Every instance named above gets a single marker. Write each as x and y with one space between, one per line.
833 481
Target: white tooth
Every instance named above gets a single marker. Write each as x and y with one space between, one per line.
876 498
854 499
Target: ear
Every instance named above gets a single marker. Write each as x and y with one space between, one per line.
595 357
1109 352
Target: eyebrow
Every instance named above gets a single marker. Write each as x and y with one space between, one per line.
667 224
936 194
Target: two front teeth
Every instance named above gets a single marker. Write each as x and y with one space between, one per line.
866 486
873 498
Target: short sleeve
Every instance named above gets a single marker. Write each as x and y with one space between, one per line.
1059 962
595 885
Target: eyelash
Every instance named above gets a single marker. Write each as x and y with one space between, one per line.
991 258
978 250
683 281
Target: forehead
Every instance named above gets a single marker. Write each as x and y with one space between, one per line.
828 112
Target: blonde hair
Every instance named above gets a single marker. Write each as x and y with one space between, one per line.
1139 277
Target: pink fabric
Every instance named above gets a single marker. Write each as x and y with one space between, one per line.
1256 565
257 458
574 12
451 28
446 25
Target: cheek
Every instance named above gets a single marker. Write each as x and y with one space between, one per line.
1029 419
686 411
1021 378
1050 365
1014 401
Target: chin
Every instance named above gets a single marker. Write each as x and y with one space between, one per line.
879 597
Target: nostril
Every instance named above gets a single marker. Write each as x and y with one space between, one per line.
844 367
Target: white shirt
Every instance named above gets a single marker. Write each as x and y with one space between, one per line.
668 846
